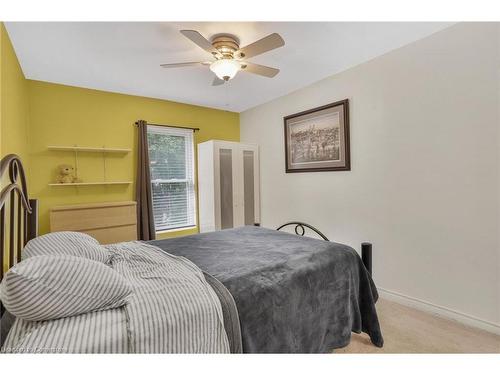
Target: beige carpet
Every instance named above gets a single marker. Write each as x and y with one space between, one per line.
407 330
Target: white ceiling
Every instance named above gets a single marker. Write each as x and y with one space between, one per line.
124 57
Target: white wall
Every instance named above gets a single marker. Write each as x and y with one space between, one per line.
424 185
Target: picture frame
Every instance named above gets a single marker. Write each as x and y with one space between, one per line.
317 140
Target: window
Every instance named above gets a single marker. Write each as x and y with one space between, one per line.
172 177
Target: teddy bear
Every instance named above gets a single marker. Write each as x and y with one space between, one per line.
66 175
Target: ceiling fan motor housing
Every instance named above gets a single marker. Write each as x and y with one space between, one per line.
226 44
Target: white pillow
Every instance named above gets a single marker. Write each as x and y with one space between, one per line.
52 287
66 243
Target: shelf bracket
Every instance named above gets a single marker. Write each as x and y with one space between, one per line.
76 163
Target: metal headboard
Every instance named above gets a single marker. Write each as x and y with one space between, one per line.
366 247
18 213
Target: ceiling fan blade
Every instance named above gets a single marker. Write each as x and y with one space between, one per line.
265 44
181 65
200 41
261 70
217 81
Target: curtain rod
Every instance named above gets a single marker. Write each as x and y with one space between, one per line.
171 126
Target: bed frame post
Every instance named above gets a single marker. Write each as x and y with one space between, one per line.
366 255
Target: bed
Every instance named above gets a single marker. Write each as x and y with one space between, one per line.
293 294
277 292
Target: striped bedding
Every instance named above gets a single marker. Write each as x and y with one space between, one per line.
172 309
53 287
66 243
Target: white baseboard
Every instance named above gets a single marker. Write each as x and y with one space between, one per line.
441 311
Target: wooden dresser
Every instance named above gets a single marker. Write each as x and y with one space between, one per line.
107 222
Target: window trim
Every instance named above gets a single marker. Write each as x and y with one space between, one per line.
185 132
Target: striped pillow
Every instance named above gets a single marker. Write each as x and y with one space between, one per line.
66 243
52 287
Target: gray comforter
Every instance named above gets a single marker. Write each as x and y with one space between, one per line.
293 294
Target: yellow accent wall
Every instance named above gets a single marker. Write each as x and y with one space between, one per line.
13 102
64 115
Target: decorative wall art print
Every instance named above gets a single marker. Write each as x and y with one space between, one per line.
318 139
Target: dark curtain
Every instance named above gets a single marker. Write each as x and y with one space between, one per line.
143 195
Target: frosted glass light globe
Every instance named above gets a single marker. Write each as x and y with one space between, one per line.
225 68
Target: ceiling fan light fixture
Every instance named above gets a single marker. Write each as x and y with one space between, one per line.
225 69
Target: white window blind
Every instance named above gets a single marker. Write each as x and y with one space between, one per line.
171 157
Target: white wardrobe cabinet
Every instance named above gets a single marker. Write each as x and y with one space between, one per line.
228 185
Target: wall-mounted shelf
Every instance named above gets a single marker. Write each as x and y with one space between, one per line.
89 149
101 150
94 183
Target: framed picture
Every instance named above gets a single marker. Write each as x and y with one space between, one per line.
318 139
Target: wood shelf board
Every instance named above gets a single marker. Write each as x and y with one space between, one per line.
89 149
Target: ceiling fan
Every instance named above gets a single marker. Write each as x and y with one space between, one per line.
229 57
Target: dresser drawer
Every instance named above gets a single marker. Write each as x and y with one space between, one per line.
107 222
